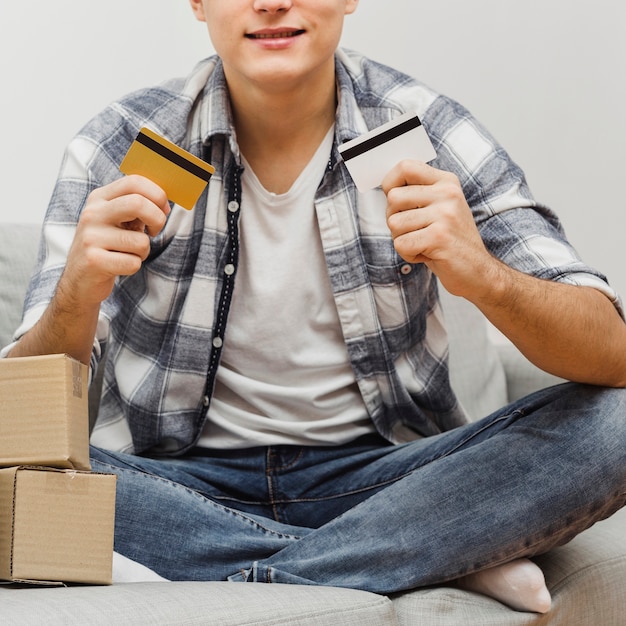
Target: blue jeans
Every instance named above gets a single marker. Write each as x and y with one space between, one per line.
374 516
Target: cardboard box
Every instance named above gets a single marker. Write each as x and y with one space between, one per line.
56 525
44 412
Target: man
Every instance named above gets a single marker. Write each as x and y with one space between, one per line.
276 381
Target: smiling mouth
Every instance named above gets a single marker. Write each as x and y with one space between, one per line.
276 35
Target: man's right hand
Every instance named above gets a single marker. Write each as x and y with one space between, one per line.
112 239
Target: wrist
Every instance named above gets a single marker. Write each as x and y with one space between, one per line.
500 287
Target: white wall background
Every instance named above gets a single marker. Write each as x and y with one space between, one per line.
547 77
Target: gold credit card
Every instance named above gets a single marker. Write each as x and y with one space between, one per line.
179 173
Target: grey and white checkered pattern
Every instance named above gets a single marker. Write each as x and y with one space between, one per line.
160 325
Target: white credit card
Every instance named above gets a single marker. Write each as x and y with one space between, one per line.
370 157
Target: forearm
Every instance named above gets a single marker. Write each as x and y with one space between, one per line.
64 328
572 332
112 239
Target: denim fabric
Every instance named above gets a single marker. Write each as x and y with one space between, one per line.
376 516
165 325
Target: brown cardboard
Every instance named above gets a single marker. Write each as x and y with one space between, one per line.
44 412
56 525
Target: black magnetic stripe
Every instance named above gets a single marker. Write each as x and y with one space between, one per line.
379 140
172 156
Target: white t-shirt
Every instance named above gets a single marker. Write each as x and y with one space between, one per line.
285 376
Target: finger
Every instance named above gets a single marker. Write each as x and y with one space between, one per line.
124 213
136 212
408 221
132 184
414 246
133 200
130 242
136 225
410 172
409 197
114 262
91 237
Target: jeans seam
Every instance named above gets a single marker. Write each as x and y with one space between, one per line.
517 413
269 477
385 483
273 500
288 466
198 494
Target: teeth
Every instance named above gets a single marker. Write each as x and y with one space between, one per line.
274 35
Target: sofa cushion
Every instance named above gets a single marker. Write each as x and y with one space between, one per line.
522 377
586 578
216 603
18 252
476 372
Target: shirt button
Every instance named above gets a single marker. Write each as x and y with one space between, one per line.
205 401
229 270
406 269
233 206
217 342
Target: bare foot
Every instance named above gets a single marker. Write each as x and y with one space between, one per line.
519 584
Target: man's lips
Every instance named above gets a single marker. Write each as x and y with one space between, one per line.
275 33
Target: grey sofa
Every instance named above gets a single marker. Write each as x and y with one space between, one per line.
587 577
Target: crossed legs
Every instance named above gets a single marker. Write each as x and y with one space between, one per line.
386 518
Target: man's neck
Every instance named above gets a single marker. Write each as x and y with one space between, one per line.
279 132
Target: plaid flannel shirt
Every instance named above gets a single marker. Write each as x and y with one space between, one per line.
164 327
